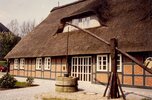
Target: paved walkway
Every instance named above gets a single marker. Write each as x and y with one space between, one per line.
47 88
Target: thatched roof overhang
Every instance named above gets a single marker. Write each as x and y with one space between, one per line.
78 15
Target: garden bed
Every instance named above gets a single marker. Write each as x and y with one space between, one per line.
8 82
19 85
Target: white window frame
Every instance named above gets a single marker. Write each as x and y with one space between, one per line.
118 70
81 67
100 67
16 63
38 63
47 64
22 63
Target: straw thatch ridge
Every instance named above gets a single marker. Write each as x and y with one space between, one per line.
124 20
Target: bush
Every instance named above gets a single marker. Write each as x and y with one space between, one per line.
7 81
29 81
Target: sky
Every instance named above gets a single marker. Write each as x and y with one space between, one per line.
27 10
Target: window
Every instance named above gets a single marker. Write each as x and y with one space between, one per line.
47 63
86 22
75 22
83 22
16 63
119 63
102 63
22 63
81 68
38 63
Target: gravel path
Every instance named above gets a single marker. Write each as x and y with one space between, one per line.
27 93
47 89
87 88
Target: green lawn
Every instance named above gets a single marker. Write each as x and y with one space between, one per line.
24 84
21 84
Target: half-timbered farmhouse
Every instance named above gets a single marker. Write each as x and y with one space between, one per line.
45 51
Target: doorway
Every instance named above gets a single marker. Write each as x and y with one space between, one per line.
81 68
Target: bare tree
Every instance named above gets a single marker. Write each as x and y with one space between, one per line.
23 29
27 27
14 26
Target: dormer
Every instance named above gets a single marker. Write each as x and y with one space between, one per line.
84 22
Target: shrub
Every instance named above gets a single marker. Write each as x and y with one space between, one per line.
29 81
7 81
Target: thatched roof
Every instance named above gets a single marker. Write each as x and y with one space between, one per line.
3 28
127 20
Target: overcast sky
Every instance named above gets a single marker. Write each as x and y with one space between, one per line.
24 10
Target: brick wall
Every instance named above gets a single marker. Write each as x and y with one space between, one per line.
134 75
58 68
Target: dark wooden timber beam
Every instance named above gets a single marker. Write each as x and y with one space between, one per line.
114 85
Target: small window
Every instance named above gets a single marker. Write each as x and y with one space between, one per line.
87 22
102 63
119 63
38 63
16 63
75 22
83 22
47 62
22 63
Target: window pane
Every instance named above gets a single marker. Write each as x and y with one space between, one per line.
99 58
75 22
104 58
104 62
104 67
118 67
89 61
118 58
118 62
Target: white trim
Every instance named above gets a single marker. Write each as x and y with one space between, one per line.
118 70
47 63
38 63
16 63
100 63
22 63
81 67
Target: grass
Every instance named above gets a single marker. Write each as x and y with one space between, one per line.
24 84
21 84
